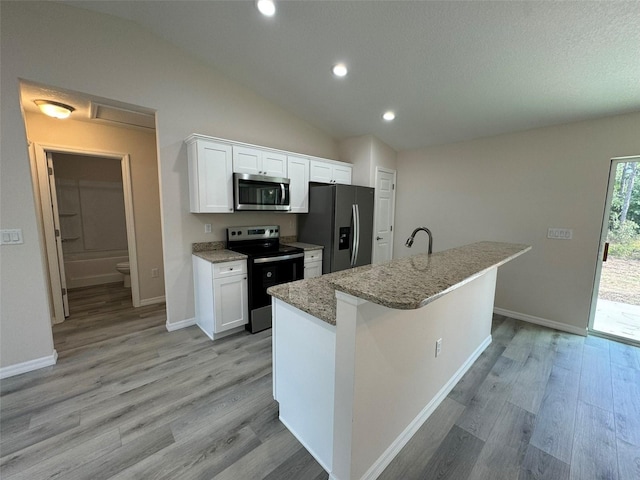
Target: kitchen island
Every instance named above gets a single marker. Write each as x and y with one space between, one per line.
356 369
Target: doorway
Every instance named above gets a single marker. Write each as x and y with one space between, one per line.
615 308
385 199
88 220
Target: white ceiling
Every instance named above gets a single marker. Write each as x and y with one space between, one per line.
451 70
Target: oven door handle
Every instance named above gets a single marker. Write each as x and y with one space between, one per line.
278 259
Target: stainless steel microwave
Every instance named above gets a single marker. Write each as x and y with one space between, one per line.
259 192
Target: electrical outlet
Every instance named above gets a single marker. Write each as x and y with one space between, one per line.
207 228
438 347
155 273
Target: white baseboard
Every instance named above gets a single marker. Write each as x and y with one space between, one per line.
398 444
542 321
152 301
29 366
171 327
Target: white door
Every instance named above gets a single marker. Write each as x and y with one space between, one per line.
384 210
58 237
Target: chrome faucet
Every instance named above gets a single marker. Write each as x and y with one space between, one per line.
425 229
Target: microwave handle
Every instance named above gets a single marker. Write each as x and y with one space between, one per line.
284 194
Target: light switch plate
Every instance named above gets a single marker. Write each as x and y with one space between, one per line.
11 236
560 233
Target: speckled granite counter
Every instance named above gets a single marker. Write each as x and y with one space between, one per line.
219 256
215 252
406 283
304 246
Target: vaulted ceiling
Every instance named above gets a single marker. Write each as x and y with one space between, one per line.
451 70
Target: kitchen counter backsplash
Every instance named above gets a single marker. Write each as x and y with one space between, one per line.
288 239
206 246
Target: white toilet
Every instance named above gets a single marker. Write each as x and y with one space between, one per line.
123 268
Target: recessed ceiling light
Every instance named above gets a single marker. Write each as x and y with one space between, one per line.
266 7
388 116
340 70
54 109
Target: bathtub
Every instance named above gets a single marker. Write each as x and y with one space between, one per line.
93 268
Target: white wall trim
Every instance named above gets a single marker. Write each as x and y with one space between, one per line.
29 366
173 326
152 301
398 444
542 321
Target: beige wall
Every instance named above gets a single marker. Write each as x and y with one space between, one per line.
366 152
141 147
512 188
117 60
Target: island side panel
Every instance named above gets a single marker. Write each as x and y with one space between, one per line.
303 378
398 381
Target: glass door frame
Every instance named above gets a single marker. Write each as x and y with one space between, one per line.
603 238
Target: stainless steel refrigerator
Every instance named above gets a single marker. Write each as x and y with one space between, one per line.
340 219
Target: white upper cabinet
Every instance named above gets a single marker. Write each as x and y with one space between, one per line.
255 161
298 170
210 176
330 172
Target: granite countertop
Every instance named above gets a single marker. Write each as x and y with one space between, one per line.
215 252
304 246
219 256
406 283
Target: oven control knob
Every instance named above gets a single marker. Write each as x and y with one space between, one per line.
269 274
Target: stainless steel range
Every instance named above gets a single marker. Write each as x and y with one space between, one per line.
269 264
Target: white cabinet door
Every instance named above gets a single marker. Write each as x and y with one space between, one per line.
321 172
298 171
327 172
230 302
274 164
312 270
220 295
210 176
255 161
342 174
247 160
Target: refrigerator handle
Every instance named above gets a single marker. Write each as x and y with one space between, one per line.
357 235
354 252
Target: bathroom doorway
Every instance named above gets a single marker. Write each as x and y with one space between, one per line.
89 227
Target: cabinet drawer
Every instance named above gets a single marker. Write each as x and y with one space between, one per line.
227 269
312 256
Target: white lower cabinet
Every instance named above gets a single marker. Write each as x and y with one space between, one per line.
220 296
312 263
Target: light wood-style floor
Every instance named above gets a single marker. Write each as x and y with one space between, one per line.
129 400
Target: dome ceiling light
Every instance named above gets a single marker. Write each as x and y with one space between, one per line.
54 109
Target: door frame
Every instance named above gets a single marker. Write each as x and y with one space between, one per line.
375 207
604 229
49 247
